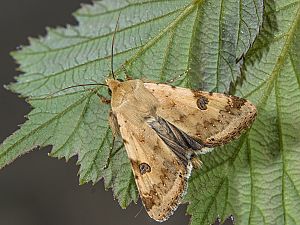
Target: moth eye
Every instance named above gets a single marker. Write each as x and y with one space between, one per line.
144 168
109 91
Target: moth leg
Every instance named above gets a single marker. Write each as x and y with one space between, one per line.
196 162
113 123
177 77
128 77
110 153
103 99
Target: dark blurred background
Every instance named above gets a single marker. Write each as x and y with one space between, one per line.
37 189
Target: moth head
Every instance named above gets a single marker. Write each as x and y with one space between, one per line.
120 90
113 84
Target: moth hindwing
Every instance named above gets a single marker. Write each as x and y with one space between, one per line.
163 127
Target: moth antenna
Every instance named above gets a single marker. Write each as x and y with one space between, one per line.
110 153
112 47
112 65
96 82
78 85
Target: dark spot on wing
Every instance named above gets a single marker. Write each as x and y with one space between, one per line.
237 102
202 102
182 117
228 109
196 93
150 199
144 168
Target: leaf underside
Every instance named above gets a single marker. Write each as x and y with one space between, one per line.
256 178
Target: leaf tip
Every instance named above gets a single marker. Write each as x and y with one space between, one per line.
82 181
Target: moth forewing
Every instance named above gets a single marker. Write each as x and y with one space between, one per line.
212 118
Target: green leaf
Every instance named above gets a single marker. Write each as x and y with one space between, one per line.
159 40
257 177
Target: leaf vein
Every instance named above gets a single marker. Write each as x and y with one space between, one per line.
41 126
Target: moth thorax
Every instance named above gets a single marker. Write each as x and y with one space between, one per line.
120 90
133 95
113 85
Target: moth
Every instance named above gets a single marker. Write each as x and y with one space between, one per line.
164 128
